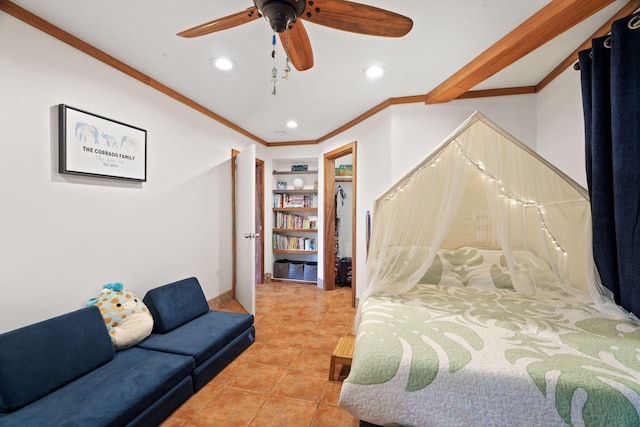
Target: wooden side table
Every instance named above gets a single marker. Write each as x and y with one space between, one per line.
343 354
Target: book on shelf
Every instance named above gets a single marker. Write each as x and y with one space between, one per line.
295 201
287 220
283 242
313 222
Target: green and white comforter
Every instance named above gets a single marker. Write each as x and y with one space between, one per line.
458 355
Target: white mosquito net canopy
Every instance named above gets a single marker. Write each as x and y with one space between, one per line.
483 188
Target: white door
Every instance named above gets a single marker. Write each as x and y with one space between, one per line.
245 190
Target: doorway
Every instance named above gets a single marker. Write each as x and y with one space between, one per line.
260 221
329 233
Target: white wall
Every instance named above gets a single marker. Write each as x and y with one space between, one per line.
418 129
63 237
561 125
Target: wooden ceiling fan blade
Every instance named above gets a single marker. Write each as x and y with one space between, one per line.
299 46
357 18
222 24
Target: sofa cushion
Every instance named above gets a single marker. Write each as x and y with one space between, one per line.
40 358
175 304
111 395
214 365
202 337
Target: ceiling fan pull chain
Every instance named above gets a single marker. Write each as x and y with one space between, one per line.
274 79
274 70
273 43
287 68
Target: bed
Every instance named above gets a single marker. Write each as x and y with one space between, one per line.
463 348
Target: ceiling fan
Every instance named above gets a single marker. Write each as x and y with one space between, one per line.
283 15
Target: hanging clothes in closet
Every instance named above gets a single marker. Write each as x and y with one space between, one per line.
340 196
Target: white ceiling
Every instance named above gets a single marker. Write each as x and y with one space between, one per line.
446 35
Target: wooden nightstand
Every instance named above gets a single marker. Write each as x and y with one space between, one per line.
342 354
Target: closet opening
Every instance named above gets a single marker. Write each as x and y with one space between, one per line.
339 234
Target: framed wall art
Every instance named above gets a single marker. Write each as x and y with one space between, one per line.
93 145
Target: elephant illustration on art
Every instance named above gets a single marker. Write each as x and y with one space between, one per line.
130 144
111 141
86 133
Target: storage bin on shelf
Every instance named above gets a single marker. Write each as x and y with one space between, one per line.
311 271
281 269
296 270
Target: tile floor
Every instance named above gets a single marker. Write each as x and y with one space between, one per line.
282 379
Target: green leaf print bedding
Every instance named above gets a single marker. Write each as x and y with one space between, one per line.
482 268
445 356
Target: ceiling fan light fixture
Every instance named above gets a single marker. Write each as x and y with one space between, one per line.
280 13
374 71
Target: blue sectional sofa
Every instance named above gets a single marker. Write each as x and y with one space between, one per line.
184 325
64 371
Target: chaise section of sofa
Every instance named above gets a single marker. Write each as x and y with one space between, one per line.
64 372
184 325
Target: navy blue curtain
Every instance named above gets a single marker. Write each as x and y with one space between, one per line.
610 75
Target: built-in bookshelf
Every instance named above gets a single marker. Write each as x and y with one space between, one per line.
295 224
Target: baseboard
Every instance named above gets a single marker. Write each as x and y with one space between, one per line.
221 300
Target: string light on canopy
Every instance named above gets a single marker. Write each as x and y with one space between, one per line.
504 192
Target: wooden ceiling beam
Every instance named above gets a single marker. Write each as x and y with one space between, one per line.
626 10
549 22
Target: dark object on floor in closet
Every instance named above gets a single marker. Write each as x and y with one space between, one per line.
366 424
343 278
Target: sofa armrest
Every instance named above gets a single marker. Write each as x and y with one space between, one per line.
175 304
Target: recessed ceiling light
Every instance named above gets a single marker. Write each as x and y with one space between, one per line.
280 132
374 71
292 124
223 64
